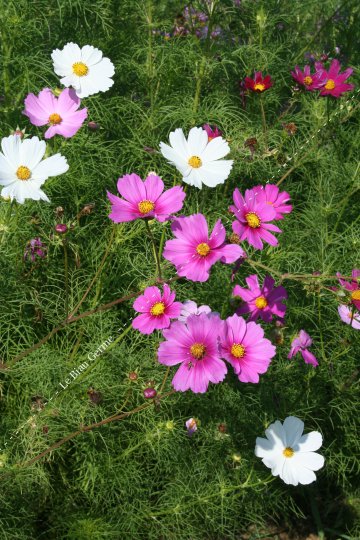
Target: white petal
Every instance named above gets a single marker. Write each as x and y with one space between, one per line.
31 152
263 447
193 178
97 80
275 463
309 460
289 472
179 144
293 428
71 80
7 174
175 158
276 434
309 442
90 55
72 53
197 141
216 172
11 148
52 166
305 476
101 70
216 149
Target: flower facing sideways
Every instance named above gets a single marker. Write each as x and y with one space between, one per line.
191 426
290 454
264 301
197 158
155 309
60 114
301 344
23 171
349 316
85 69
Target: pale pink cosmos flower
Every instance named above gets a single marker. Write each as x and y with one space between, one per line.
155 309
144 199
243 345
193 252
270 194
334 83
60 113
252 219
352 286
309 81
348 316
301 344
190 308
191 426
194 345
261 301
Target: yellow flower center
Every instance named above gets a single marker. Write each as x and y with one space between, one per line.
158 309
330 85
23 173
145 207
355 295
195 162
288 452
261 302
80 69
198 350
253 220
238 350
259 86
308 80
203 249
54 119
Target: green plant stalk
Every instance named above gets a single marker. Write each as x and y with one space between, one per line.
263 119
66 272
156 254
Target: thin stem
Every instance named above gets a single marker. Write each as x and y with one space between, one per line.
156 255
66 271
263 118
164 379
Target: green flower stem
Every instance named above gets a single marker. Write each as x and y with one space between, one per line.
156 254
263 118
66 271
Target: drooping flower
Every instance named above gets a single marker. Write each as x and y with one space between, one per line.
193 252
144 199
212 131
23 171
288 453
352 286
270 194
155 309
259 83
349 316
35 248
85 69
243 345
309 81
60 113
252 219
190 308
261 301
191 426
195 346
198 160
334 83
301 344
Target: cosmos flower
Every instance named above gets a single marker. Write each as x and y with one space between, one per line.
252 219
263 302
309 81
193 252
155 309
190 308
61 113
193 345
243 345
288 453
348 316
212 131
301 344
259 83
35 248
352 286
85 69
191 426
198 160
334 82
270 194
23 171
144 199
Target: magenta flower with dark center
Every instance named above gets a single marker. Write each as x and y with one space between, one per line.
301 344
270 194
155 309
212 131
334 82
264 301
309 81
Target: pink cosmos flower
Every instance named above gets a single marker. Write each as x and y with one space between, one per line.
195 347
190 308
252 219
334 82
301 343
243 345
263 302
309 81
270 194
144 199
352 286
61 113
193 252
212 131
349 317
156 309
259 83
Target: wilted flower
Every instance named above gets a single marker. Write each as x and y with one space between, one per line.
191 426
35 248
301 344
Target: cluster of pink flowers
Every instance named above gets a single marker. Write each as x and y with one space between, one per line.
329 82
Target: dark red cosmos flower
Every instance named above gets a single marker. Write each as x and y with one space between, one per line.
258 83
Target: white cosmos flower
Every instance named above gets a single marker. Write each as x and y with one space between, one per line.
288 453
197 158
84 69
22 169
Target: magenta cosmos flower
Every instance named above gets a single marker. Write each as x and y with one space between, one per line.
212 132
352 286
195 346
259 83
348 316
144 199
308 80
301 344
252 219
156 309
243 345
60 113
334 82
193 252
263 302
270 194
